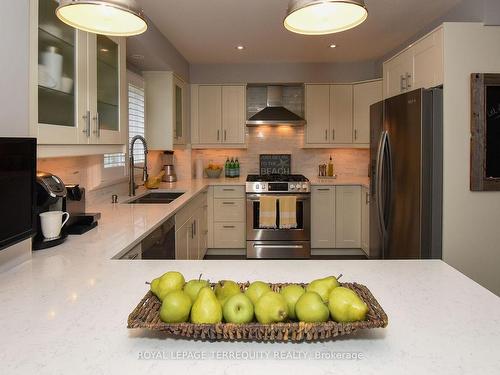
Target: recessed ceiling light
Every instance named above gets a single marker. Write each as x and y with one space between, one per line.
239 48
104 50
320 17
333 46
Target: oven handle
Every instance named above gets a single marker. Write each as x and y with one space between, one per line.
300 197
278 246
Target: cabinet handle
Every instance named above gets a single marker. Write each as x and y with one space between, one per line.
324 189
225 135
403 83
326 134
367 198
86 117
228 226
97 130
194 228
408 80
218 134
227 189
355 134
227 202
333 134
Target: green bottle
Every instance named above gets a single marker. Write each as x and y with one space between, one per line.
226 167
237 167
231 168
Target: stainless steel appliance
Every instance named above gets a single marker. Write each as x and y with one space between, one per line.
275 113
406 170
17 190
51 196
160 244
170 175
278 243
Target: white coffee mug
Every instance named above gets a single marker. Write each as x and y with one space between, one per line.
52 223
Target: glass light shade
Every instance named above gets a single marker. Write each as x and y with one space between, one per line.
115 18
320 17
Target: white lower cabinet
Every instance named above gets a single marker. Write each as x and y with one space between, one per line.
336 217
190 230
348 217
323 217
365 220
226 217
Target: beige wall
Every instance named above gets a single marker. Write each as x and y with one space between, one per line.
471 220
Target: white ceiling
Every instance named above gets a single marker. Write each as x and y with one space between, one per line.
207 31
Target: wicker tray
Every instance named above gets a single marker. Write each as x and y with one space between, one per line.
146 315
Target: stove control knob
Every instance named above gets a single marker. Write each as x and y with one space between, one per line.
304 187
257 186
292 186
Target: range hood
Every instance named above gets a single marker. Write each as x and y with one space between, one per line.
275 113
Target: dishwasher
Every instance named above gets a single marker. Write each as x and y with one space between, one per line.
159 244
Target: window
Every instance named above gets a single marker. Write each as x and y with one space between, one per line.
135 123
136 119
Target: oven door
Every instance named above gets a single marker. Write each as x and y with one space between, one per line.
301 233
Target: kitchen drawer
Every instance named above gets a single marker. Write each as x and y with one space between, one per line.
229 235
229 192
229 209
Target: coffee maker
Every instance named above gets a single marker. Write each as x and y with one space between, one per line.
50 196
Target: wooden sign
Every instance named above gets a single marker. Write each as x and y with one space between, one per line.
485 132
275 163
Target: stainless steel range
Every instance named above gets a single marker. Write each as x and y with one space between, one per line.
266 242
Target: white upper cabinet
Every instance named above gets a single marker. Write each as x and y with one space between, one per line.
165 114
419 66
77 83
218 115
365 94
338 115
233 114
317 111
341 114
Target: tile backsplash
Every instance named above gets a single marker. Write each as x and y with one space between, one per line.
287 140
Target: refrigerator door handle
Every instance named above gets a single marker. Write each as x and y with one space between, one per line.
389 185
378 182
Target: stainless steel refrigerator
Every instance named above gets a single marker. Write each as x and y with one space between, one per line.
406 176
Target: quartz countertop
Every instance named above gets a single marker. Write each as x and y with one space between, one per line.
65 312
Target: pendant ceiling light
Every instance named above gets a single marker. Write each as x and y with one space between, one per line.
319 17
107 17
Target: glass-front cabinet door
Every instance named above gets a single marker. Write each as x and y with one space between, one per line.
107 83
59 77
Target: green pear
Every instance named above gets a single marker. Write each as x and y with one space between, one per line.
169 282
310 308
256 289
206 308
225 289
323 287
346 306
193 287
238 309
175 307
154 286
271 308
292 294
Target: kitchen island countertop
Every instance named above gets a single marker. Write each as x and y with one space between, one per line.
66 312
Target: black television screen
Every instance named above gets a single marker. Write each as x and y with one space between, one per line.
17 189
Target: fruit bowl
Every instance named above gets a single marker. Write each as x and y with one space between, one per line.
213 173
146 315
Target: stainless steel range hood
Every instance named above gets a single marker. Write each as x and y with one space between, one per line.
275 113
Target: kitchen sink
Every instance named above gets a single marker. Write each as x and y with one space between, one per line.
156 198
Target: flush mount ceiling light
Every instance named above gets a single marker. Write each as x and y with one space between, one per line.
320 17
240 48
107 17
